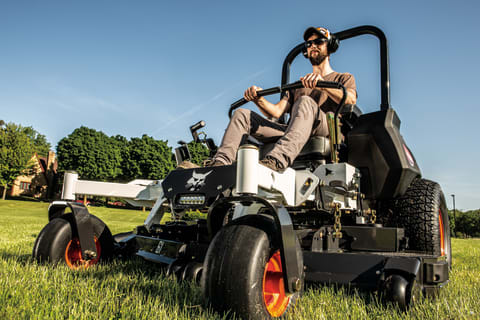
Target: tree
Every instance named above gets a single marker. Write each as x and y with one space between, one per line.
198 152
91 153
452 222
149 158
123 145
39 141
468 223
95 156
16 149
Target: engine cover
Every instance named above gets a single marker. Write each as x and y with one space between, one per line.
376 147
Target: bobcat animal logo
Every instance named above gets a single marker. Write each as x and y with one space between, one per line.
197 181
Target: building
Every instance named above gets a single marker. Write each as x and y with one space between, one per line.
42 182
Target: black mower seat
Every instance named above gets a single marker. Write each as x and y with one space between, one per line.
315 152
316 148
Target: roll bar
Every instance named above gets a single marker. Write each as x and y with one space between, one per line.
347 34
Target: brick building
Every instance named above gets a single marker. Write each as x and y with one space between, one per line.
42 182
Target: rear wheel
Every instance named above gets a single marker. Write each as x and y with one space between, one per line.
423 213
58 243
243 273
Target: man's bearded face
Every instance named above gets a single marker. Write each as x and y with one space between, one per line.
316 58
317 53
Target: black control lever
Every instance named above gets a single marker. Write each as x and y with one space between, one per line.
297 85
194 128
274 90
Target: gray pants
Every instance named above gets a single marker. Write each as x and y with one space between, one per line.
306 120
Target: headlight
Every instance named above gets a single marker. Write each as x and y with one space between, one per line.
192 199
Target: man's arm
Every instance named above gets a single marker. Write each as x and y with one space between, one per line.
310 81
337 94
275 110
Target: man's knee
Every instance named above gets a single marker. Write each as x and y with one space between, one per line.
241 118
241 113
305 107
306 101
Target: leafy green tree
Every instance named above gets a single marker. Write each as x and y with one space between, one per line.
468 223
39 141
123 146
16 149
91 153
198 151
95 156
451 221
149 158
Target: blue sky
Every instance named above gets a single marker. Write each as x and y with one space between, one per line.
156 67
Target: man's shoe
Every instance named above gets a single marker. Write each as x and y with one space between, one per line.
272 163
213 163
187 165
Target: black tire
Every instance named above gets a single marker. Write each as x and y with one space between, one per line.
423 213
234 274
57 243
192 272
399 290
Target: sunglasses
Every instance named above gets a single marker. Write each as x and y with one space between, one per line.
317 42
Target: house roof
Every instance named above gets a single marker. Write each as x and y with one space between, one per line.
43 164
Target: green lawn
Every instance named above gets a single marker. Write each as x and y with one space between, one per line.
138 290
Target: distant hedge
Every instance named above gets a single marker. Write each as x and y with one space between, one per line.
466 223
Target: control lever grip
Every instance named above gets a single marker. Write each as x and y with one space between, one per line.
193 130
291 86
200 124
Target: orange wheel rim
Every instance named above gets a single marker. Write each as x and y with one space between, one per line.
442 233
73 255
274 295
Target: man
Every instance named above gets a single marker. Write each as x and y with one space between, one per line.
307 107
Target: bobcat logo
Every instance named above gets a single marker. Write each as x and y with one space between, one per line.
197 181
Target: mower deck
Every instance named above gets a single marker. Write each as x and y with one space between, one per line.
365 269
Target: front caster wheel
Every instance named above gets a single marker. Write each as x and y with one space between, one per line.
58 242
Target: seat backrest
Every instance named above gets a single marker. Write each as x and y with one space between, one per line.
317 149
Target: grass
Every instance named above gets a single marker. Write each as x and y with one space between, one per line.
138 290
